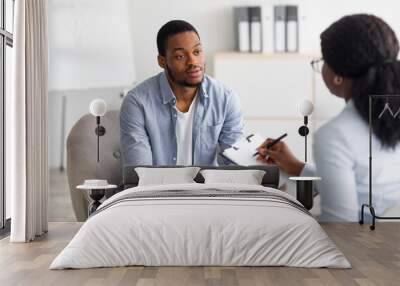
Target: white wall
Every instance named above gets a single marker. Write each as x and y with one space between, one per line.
321 13
90 44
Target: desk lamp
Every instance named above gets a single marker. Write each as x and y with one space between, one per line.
98 108
306 108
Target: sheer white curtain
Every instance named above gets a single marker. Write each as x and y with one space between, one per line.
26 118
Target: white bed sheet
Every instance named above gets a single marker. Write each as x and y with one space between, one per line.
200 231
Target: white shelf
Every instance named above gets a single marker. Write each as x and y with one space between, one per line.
242 55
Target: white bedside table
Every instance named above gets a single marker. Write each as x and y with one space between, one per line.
97 190
304 190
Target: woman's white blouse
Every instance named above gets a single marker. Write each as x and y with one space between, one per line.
341 155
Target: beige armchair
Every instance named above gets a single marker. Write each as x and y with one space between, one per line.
82 157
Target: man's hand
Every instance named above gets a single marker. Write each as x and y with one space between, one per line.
282 156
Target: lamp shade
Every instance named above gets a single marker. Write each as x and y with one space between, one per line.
306 107
98 107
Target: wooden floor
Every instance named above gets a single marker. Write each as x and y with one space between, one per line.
60 205
374 255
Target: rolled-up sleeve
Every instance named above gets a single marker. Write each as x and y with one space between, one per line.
233 125
135 143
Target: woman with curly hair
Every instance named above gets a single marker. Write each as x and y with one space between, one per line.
359 58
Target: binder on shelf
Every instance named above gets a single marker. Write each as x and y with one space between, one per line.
292 29
280 29
242 28
255 29
267 23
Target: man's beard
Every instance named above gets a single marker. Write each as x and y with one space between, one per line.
183 83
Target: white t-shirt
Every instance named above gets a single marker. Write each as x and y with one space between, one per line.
184 135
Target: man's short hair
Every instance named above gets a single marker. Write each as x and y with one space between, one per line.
170 29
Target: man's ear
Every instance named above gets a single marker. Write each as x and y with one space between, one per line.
161 61
337 80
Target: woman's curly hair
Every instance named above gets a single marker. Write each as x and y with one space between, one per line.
364 48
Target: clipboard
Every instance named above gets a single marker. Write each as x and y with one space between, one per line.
241 153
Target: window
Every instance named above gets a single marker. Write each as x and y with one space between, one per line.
6 44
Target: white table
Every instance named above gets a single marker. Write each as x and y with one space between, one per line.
96 193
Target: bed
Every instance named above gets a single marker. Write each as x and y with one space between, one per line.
201 224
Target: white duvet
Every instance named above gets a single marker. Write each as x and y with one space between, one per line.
182 231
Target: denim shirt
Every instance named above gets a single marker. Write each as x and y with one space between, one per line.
148 119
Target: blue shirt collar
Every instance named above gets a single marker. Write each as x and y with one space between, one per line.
168 95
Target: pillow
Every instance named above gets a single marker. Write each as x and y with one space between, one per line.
248 177
162 176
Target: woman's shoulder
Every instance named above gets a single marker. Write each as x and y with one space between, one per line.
348 125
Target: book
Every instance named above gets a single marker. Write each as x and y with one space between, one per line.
280 29
292 29
255 29
241 153
242 28
267 23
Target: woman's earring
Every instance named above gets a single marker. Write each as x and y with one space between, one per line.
337 80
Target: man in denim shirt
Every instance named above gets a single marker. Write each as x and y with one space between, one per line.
180 116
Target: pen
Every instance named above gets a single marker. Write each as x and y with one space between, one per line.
272 143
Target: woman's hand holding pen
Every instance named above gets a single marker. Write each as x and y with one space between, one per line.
280 155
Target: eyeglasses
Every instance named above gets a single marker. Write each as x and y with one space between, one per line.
317 64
